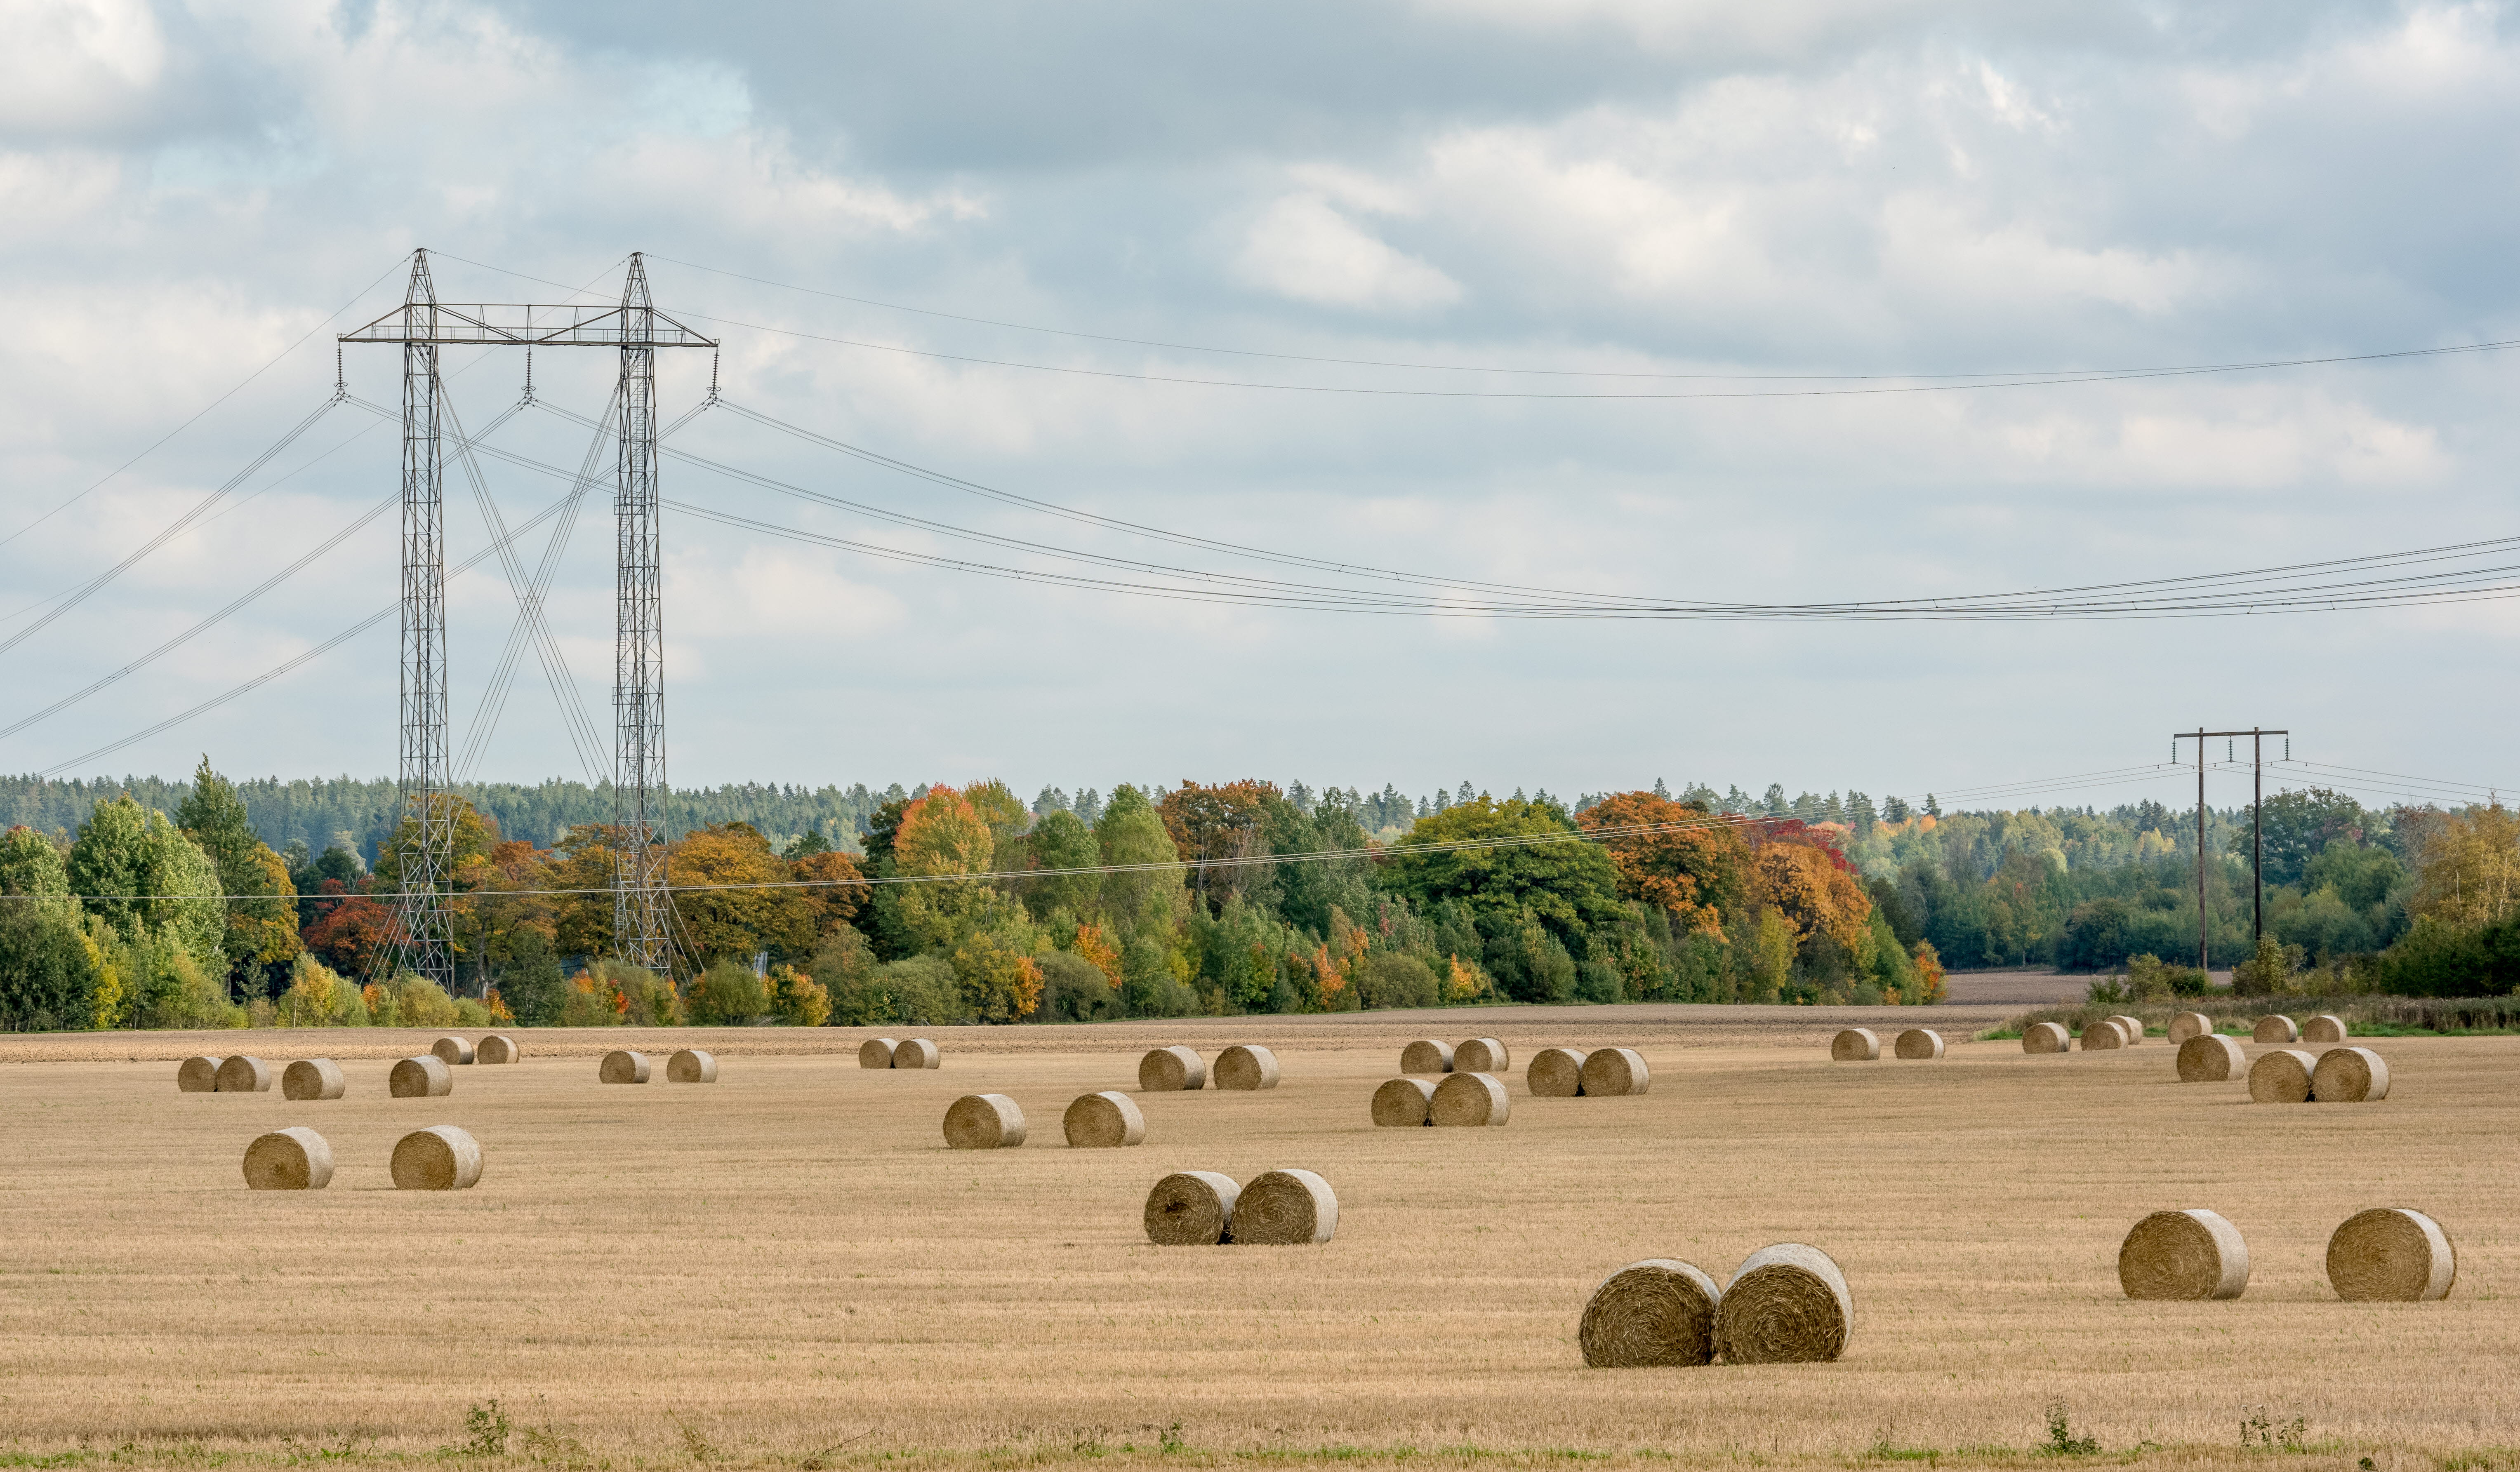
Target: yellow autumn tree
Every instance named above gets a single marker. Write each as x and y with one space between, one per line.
2467 872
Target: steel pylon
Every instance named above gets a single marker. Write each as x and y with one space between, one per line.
421 939
639 918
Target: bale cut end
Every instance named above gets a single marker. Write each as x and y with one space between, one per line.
1426 1056
2326 1027
1469 1098
691 1066
312 1079
1786 1305
1657 1311
2103 1035
876 1053
1247 1066
1614 1073
439 1158
917 1053
1920 1042
2183 1256
622 1066
2133 1027
498 1048
424 1077
197 1075
2276 1028
2209 1058
1556 1073
2391 1255
2282 1076
984 1121
1171 1070
1284 1209
1191 1209
2349 1076
244 1075
453 1050
1105 1121
1854 1045
2046 1036
1404 1103
1481 1055
2188 1025
294 1159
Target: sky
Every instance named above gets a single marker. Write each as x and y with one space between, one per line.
1102 257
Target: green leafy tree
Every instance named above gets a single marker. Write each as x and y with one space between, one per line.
1061 841
532 984
1130 831
141 875
261 901
1567 888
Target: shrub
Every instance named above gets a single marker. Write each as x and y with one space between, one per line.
1390 979
419 1002
472 1012
588 1003
845 968
922 990
798 1000
727 994
1074 989
318 996
1597 981
532 983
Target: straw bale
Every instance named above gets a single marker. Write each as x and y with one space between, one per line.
425 1077
1614 1073
439 1158
984 1122
917 1053
1469 1098
1105 1121
622 1066
2349 1076
1171 1070
1247 1066
2211 1059
2282 1076
2390 1254
312 1079
2133 1027
453 1050
294 1159
197 1075
1426 1056
691 1066
2183 1255
1920 1042
1556 1073
240 1074
498 1048
1657 1311
1286 1208
1482 1055
2046 1036
876 1053
1786 1305
1191 1209
2275 1027
2103 1034
2188 1025
2326 1027
1405 1101
1855 1045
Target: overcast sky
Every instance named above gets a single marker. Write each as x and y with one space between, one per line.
1865 187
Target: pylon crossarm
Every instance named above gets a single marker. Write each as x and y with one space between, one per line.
527 324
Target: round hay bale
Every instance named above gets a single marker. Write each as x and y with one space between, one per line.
917 1053
622 1066
1105 1121
1405 1102
1426 1056
453 1050
2349 1076
1286 1208
2326 1027
876 1053
2046 1036
1920 1042
2276 1028
2391 1255
1611 1073
1171 1070
1469 1098
498 1048
1247 1066
2103 1035
2282 1076
984 1122
1191 1209
1786 1305
1657 1311
241 1074
1556 1073
197 1075
2188 1025
1855 1045
312 1079
2133 1027
297 1159
424 1077
2209 1058
439 1158
2183 1256
1481 1055
691 1066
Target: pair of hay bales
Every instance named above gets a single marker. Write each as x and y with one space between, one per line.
2107 1033
2338 1076
1787 1304
1578 1072
2275 1027
1862 1045
494 1049
238 1074
1205 1209
1247 1066
1471 1055
1455 1099
1108 1120
885 1053
688 1066
439 1158
2387 1254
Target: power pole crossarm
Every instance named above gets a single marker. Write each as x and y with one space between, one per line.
2257 735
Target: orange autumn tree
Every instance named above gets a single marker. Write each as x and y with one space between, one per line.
942 840
1808 881
1222 821
1674 855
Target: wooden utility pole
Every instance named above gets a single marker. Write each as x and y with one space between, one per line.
2257 735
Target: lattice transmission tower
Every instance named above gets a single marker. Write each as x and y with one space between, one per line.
421 326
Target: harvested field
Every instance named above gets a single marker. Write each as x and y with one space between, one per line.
772 1305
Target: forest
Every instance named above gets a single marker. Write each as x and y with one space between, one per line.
170 905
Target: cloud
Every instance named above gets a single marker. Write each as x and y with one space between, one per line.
1301 248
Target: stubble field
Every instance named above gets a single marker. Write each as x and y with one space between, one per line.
787 1268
